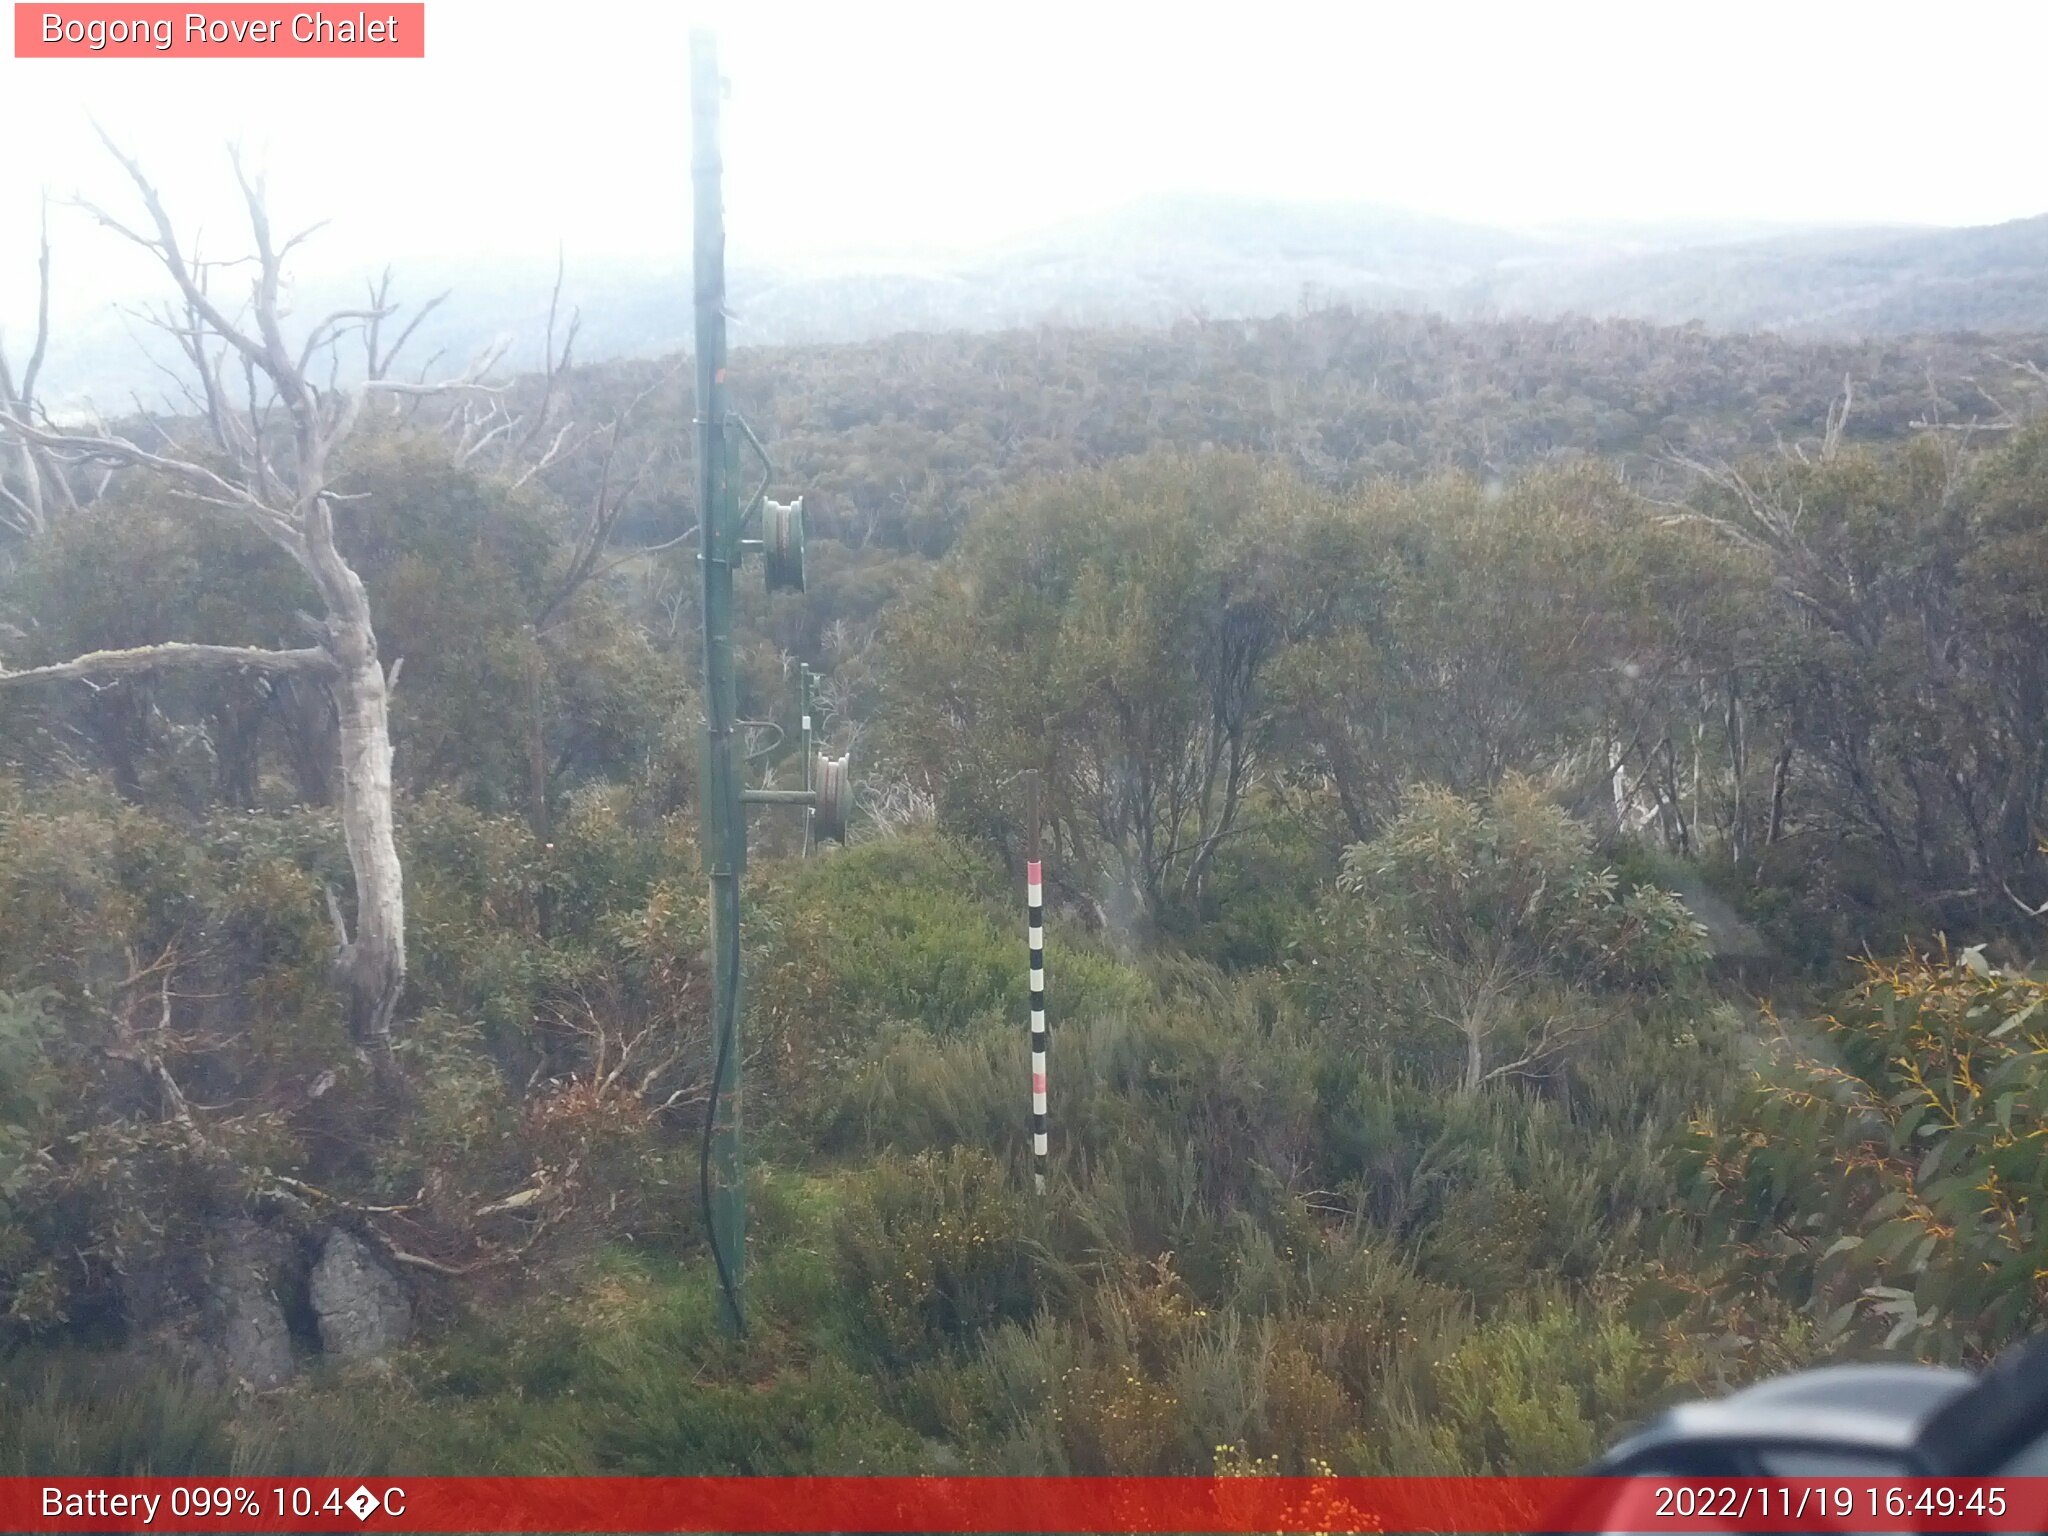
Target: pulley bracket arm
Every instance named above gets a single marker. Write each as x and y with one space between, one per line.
754 502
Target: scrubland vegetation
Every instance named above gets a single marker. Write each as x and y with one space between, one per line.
1544 834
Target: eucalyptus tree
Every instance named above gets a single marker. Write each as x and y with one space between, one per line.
1112 629
267 410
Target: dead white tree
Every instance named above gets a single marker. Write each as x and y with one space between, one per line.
270 417
31 482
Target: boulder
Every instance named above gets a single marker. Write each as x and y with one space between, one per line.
363 1310
250 1269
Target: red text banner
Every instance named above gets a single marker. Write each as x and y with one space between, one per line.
233 31
1054 1505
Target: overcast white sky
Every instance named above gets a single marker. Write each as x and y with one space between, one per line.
900 124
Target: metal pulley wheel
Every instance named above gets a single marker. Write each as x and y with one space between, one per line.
782 544
832 778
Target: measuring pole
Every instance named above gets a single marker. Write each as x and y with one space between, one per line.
1034 934
724 827
806 680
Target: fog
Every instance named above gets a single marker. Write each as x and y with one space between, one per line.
939 127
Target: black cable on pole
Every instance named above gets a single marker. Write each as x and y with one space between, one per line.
725 1033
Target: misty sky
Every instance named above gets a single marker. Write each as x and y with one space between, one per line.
900 125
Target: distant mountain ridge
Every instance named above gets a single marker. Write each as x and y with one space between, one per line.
1166 259
1839 282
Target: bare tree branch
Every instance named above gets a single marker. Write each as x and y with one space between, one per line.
607 506
553 366
196 480
25 507
379 361
34 366
164 246
151 658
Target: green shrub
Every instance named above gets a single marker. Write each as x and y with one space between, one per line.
934 1250
1535 1390
1488 923
920 930
1883 1173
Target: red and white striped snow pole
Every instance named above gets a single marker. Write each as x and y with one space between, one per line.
1034 932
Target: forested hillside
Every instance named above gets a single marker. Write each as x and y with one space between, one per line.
1833 282
1175 262
1472 756
1163 260
895 439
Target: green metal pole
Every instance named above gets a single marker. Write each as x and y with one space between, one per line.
724 824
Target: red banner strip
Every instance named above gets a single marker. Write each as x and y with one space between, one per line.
997 1504
380 30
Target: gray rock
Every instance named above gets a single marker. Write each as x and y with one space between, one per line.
363 1310
250 1267
257 1343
